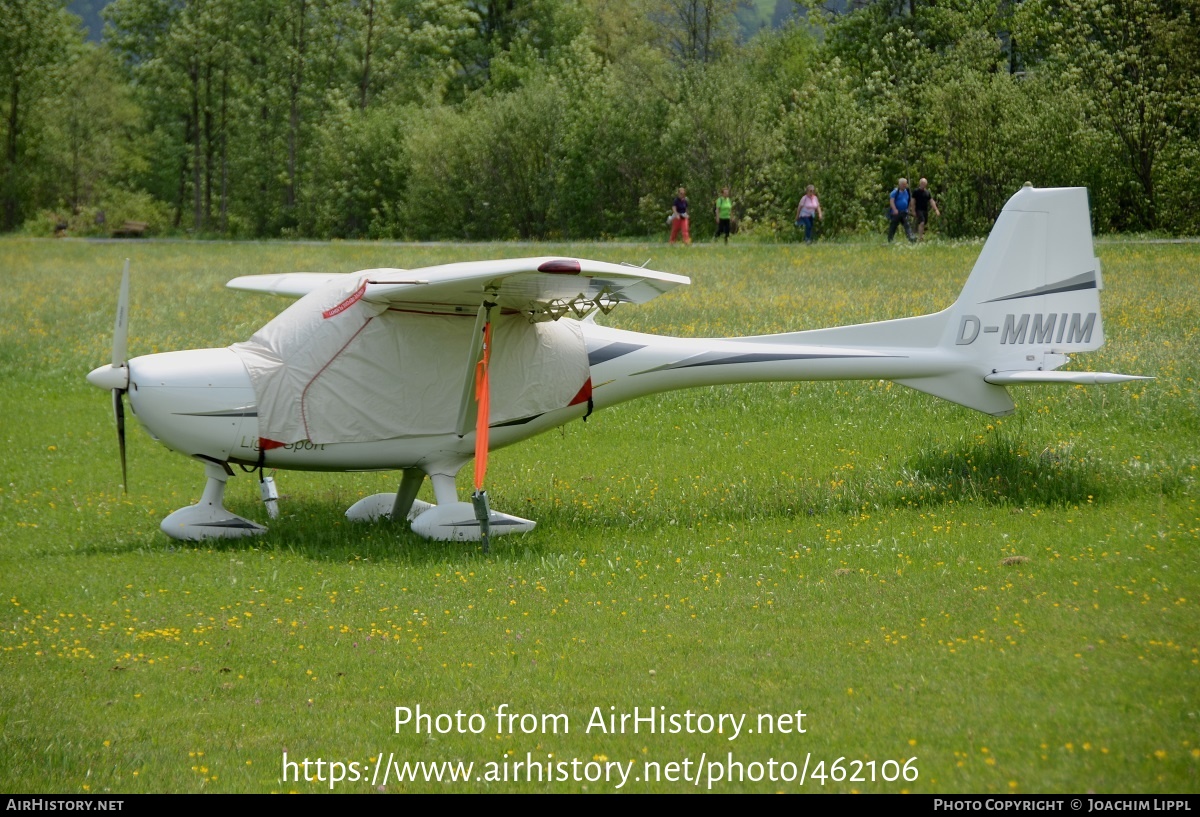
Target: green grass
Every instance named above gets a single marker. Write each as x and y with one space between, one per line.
1012 602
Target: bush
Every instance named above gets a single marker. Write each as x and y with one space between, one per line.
116 207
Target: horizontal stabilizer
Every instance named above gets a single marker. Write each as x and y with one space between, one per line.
1080 378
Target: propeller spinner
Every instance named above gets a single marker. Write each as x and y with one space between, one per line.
115 377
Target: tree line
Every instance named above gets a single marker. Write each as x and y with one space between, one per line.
497 119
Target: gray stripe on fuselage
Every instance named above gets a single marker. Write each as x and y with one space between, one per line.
716 359
242 412
1086 280
611 351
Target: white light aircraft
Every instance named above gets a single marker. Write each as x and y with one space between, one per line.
422 370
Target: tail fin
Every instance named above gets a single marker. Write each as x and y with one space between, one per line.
1030 301
1035 288
1036 278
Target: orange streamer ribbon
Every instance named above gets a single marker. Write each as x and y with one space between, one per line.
483 399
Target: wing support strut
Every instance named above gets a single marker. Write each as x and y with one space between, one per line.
483 317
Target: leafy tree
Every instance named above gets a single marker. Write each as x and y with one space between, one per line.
720 133
523 32
834 141
964 122
408 51
360 172
91 131
699 30
175 53
488 169
619 30
540 118
231 90
38 39
613 151
1137 60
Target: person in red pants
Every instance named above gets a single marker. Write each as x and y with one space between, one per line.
679 220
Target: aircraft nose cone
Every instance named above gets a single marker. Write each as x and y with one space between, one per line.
109 377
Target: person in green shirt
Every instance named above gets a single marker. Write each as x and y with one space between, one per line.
724 214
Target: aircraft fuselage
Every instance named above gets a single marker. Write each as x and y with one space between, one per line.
201 402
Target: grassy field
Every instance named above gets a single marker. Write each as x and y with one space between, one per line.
956 603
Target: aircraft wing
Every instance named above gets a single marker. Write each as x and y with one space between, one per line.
291 284
545 288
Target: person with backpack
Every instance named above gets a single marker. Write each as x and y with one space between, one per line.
899 203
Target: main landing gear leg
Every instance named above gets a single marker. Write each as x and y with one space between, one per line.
409 485
402 505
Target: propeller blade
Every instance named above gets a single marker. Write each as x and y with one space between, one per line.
120 354
119 414
121 326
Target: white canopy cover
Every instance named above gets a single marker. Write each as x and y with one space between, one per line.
335 367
